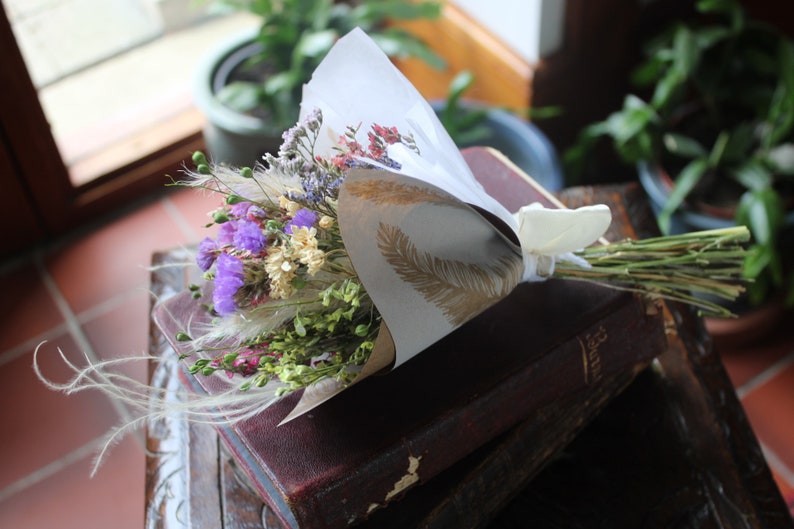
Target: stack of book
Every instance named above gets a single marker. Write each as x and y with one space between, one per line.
566 404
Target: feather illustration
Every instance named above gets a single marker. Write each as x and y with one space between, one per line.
461 290
381 192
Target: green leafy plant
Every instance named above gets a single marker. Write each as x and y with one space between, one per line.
295 35
466 123
719 118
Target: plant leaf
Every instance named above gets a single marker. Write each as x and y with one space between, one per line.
683 146
687 179
762 212
757 259
240 96
373 12
282 82
316 43
687 52
780 114
730 8
753 175
781 158
741 143
718 149
399 44
633 118
459 84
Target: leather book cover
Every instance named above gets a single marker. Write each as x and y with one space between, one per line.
357 453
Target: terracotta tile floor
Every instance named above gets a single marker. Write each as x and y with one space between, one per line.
88 293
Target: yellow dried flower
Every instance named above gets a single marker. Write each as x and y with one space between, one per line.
303 244
281 270
288 205
326 222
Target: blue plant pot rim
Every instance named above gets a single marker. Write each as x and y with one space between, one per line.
535 144
649 176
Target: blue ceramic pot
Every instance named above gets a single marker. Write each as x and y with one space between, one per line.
521 141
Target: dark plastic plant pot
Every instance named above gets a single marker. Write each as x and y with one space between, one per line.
682 221
231 137
753 322
522 142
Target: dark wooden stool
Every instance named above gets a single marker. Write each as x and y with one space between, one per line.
674 449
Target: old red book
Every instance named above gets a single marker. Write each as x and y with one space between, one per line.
390 435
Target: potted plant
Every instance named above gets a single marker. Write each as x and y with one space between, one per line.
714 138
471 123
250 86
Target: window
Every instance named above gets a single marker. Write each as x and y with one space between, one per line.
93 114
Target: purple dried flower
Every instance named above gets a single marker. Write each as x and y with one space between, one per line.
228 280
207 250
256 211
304 218
240 209
226 233
249 236
291 137
314 120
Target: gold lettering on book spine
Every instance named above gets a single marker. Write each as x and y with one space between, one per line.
591 356
461 290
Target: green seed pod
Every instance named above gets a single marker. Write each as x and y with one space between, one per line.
199 158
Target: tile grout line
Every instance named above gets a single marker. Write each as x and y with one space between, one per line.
53 467
104 307
9 355
73 325
766 375
70 319
173 211
50 469
778 465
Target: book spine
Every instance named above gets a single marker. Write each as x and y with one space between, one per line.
481 492
597 353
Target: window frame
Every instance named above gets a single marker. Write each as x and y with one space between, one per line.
38 183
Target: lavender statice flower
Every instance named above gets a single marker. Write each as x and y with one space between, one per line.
207 250
313 121
318 185
226 233
295 137
291 139
304 218
383 160
256 212
228 280
249 236
240 209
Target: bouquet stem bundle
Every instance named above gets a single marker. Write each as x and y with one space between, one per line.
699 268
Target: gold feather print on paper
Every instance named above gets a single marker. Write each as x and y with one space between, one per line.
381 192
461 290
